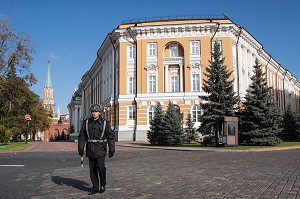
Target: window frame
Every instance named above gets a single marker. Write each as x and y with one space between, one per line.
196 113
195 50
131 84
152 83
176 83
131 113
174 49
152 49
194 83
151 113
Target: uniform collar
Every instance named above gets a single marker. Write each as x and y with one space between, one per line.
99 120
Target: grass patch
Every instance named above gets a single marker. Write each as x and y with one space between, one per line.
16 146
284 144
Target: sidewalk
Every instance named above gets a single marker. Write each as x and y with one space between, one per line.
138 172
146 145
133 145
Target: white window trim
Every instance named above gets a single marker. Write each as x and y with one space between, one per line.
192 82
131 86
128 112
130 51
178 83
148 113
192 115
192 47
148 83
152 52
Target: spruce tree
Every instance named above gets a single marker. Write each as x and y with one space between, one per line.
172 131
221 98
260 118
155 123
290 125
190 132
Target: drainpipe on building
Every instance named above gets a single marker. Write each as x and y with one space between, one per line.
98 56
211 39
92 101
135 96
284 90
115 109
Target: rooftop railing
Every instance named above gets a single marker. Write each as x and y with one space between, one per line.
168 18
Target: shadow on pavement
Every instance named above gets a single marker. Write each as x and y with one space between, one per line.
78 184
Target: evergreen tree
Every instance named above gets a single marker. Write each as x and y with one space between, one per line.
290 125
155 123
171 128
260 118
221 98
190 132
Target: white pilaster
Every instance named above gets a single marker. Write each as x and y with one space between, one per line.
167 78
181 78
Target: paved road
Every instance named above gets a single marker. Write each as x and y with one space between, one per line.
162 173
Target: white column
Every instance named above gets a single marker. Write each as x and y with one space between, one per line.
76 120
83 102
167 78
181 78
234 67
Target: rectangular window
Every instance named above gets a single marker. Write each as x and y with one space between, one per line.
174 50
131 85
152 84
130 51
151 49
195 47
131 112
174 83
196 82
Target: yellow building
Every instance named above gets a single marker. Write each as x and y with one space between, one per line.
145 61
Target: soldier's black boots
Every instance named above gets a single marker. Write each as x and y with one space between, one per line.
93 192
102 189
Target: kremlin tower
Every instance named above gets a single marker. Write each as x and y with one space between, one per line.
48 101
59 126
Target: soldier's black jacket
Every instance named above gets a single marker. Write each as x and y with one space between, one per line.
96 149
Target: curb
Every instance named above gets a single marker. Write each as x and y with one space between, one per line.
208 149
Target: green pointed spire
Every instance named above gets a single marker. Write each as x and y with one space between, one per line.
48 83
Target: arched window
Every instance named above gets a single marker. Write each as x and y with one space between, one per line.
177 108
196 113
151 112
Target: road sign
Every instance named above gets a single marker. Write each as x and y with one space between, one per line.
27 117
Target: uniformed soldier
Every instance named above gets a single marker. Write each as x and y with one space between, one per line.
96 133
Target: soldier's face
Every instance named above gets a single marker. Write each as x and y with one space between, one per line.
96 115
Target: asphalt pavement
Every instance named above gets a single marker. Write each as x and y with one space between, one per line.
136 172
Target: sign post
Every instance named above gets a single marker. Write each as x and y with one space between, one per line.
27 118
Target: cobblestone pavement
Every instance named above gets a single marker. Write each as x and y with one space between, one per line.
160 173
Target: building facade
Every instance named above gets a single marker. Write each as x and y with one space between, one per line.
143 62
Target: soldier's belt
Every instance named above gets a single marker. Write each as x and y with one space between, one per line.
97 140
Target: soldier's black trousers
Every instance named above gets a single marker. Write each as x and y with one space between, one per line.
97 169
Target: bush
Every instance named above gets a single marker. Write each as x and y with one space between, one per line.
5 134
